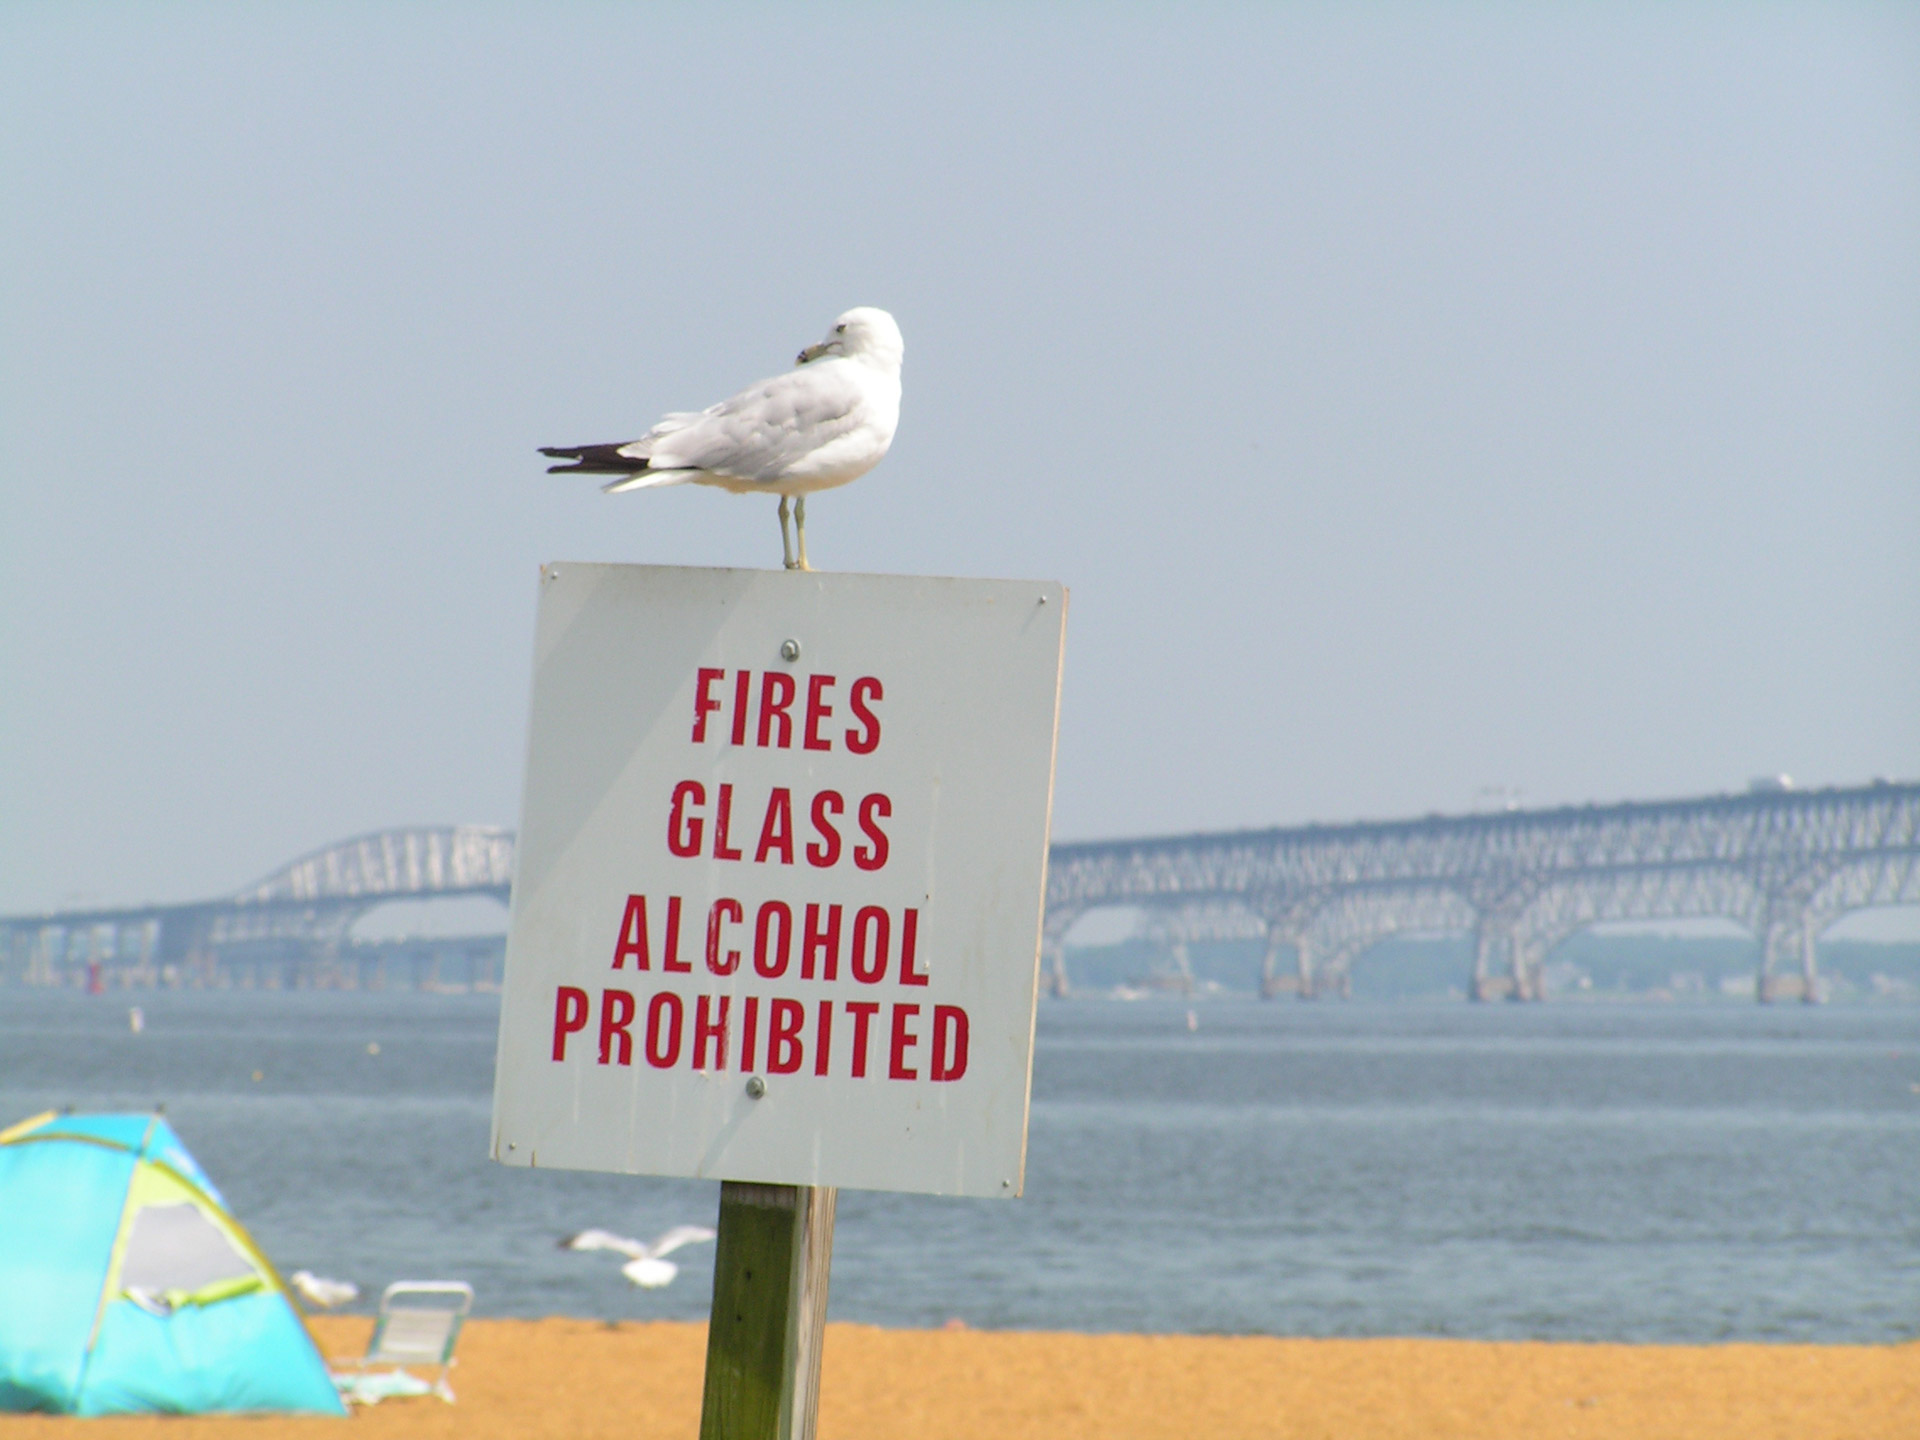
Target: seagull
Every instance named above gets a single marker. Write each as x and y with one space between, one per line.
646 1268
322 1292
823 423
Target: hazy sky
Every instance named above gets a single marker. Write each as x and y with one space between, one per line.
1415 399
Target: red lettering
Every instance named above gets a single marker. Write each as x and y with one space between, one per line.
670 957
862 1011
633 935
902 1042
742 684
569 1016
821 855
909 938
710 1026
683 830
776 695
776 831
703 703
949 1043
722 822
723 910
871 920
815 941
818 710
616 1014
824 1042
873 806
749 1031
769 960
867 739
663 1049
784 1019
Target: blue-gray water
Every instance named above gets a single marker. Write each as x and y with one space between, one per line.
1651 1173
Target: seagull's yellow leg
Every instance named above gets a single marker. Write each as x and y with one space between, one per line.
786 540
800 528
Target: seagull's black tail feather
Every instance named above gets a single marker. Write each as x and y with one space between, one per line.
593 460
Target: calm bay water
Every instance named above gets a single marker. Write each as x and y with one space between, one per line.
1648 1173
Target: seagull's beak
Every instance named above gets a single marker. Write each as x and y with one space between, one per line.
814 352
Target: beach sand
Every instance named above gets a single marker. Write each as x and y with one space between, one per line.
582 1379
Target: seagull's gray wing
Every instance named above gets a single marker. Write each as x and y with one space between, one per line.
761 432
604 1240
676 1237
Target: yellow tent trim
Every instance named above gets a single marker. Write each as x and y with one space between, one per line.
118 1253
216 1292
14 1132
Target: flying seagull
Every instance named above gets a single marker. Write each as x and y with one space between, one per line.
824 423
316 1290
646 1267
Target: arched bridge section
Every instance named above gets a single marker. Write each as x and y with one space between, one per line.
1783 864
295 919
420 863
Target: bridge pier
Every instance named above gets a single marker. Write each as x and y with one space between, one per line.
1183 963
1489 942
1272 986
1529 983
1286 915
1781 936
1054 980
1333 976
1809 963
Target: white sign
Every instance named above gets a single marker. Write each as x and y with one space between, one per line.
779 878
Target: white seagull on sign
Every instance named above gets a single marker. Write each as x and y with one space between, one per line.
824 423
646 1267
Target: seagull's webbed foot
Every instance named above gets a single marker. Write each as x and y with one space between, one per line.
786 539
800 528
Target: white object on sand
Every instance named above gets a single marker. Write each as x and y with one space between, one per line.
316 1290
646 1268
824 423
372 1386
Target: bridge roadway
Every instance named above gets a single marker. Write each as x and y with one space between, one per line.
288 929
1785 865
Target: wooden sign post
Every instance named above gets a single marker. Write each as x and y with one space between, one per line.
769 1312
776 913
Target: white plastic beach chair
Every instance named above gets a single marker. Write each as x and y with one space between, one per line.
419 1325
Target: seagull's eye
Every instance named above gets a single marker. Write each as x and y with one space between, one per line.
839 329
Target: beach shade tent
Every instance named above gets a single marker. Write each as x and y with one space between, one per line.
127 1285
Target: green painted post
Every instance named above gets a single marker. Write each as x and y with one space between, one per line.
770 1269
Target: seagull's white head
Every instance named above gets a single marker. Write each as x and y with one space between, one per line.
864 332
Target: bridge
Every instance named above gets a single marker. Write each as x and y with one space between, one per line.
1783 864
289 929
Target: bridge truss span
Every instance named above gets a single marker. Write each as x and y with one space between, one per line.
1784 865
427 861
288 929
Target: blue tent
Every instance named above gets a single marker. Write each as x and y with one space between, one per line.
128 1286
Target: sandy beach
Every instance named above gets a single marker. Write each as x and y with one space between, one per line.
583 1379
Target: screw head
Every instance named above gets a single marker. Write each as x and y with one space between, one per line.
756 1087
789 650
